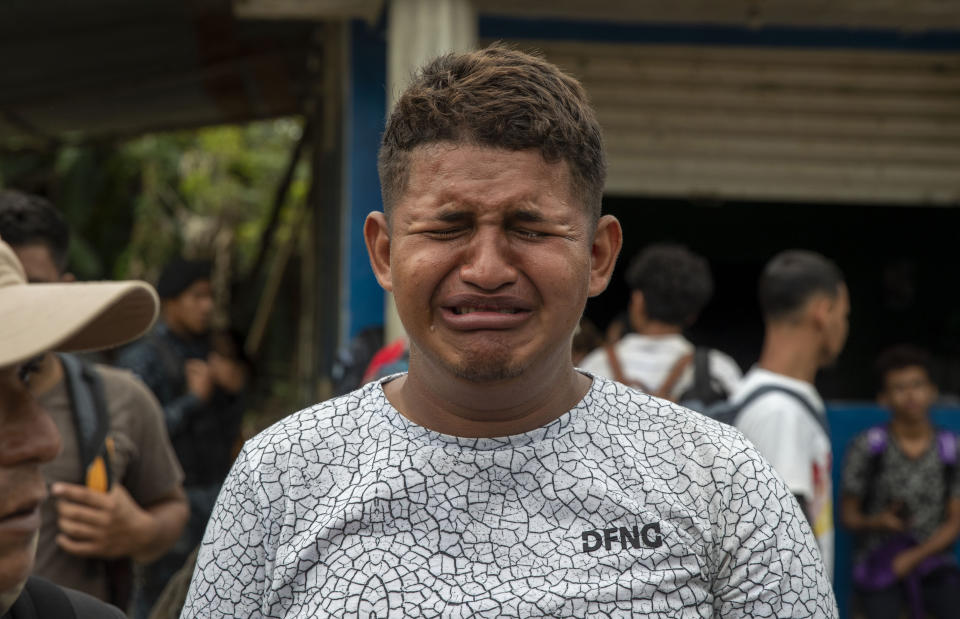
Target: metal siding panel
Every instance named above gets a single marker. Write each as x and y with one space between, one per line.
774 124
901 14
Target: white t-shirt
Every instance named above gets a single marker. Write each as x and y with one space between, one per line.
648 359
625 505
796 445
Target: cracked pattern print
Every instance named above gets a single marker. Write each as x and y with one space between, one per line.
624 506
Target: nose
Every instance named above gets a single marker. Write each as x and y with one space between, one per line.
487 264
28 434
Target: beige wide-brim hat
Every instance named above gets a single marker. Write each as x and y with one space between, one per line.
79 316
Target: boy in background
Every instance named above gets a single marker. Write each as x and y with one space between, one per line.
901 498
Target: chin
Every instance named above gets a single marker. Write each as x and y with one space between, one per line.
486 371
14 571
485 366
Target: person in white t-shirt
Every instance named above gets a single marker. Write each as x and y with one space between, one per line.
493 479
669 286
805 306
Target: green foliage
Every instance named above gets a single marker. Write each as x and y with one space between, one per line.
129 203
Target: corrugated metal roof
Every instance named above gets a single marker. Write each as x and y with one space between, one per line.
113 67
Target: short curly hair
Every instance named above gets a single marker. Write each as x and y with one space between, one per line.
676 283
901 357
501 98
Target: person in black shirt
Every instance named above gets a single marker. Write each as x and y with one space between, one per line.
200 390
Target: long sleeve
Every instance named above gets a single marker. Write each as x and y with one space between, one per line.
178 407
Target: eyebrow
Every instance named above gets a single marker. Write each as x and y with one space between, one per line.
458 215
453 215
527 216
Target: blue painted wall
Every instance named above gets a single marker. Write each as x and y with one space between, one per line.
846 421
365 117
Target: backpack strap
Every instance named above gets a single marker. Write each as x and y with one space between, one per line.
765 389
877 439
676 371
616 369
947 447
41 599
90 419
666 388
702 388
92 422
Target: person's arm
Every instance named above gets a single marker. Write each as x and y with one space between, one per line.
169 515
942 538
765 561
230 578
853 518
111 524
177 409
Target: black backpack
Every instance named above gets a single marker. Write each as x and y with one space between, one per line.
727 412
705 391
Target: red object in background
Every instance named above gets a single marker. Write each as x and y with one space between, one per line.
391 353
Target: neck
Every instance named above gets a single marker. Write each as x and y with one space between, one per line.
655 327
175 326
911 428
430 397
791 351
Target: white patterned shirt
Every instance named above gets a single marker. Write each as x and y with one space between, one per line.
624 505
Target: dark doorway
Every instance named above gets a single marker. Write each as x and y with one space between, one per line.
900 263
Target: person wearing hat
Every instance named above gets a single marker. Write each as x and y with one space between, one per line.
200 391
35 319
112 430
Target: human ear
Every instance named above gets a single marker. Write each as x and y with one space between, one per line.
819 309
376 234
607 241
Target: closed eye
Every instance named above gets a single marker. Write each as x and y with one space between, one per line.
444 233
28 369
529 234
